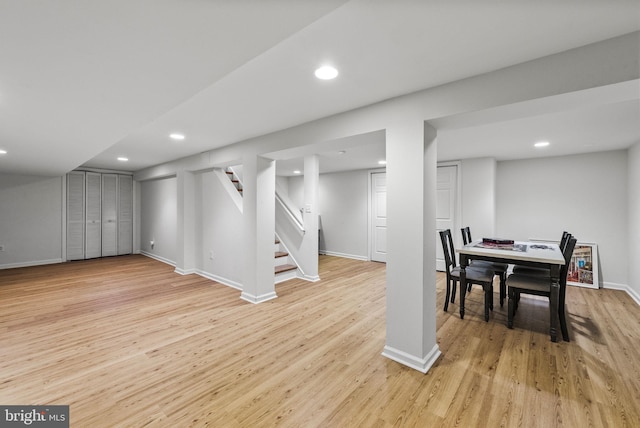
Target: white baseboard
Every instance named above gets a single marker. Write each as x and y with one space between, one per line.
258 299
219 279
630 291
158 258
29 264
421 364
346 256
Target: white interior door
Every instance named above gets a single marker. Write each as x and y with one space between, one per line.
379 217
93 229
75 215
125 214
109 215
447 185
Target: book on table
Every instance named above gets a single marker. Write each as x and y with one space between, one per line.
497 243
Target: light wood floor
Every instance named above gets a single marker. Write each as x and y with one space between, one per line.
126 342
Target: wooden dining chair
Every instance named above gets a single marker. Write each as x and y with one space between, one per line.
499 269
540 285
475 275
535 271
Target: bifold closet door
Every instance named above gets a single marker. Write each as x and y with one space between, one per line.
109 215
93 229
75 215
125 214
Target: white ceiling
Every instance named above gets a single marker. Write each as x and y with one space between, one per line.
83 82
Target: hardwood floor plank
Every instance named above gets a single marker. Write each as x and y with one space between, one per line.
125 341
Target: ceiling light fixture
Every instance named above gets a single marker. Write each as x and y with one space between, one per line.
541 144
326 72
123 159
297 171
382 162
3 152
176 136
341 152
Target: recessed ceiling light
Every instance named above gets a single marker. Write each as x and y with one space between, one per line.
541 144
123 159
341 152
382 162
297 171
326 72
3 152
176 136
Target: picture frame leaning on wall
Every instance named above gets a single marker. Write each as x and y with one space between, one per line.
583 267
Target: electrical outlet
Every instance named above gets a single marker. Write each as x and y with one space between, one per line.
211 255
1 247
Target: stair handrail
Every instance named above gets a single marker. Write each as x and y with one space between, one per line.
292 214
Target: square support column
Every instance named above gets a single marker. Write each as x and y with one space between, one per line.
411 268
259 187
309 247
186 227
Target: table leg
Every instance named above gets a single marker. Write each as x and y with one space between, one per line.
511 308
553 302
503 287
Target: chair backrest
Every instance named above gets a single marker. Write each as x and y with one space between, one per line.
567 252
466 235
448 249
565 238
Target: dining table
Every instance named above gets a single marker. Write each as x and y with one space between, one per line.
525 253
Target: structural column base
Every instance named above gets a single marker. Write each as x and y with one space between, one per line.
258 299
421 364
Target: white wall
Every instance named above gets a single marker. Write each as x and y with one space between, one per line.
343 200
634 220
158 218
582 194
478 199
31 216
219 230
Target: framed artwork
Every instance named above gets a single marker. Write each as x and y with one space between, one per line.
583 268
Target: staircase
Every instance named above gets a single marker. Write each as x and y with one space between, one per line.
234 180
284 267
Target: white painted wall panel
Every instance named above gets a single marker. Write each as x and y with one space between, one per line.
31 219
478 199
158 208
634 219
343 200
583 194
220 230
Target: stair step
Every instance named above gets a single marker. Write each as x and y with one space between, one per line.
284 268
281 254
